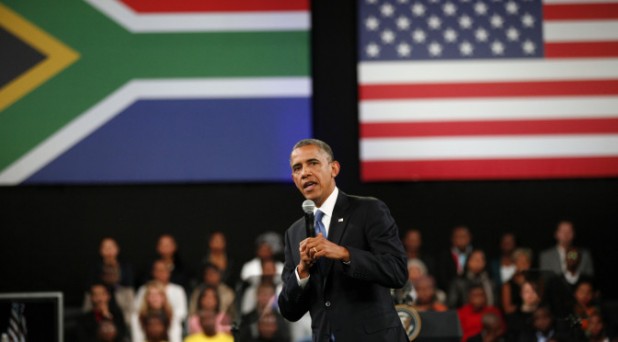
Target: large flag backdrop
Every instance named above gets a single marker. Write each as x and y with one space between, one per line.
488 89
117 91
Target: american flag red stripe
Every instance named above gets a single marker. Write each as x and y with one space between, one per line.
165 6
577 142
575 11
488 89
502 127
581 49
537 168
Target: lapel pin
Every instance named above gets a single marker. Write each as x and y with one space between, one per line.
340 220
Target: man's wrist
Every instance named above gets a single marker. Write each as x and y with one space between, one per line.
345 258
302 272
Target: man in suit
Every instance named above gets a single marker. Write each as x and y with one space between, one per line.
554 259
343 275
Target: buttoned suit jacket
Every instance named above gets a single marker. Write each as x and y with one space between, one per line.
350 301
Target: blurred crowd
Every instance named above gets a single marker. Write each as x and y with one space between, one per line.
513 296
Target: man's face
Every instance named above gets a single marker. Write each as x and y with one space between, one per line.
461 238
412 241
160 272
313 173
99 295
565 233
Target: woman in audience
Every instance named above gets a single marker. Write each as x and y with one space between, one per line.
585 305
217 255
474 274
167 250
154 303
511 290
209 300
519 321
503 267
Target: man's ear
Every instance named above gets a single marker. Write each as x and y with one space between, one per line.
335 168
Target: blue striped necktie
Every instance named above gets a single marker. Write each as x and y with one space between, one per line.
319 226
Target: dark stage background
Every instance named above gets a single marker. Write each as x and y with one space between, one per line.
50 234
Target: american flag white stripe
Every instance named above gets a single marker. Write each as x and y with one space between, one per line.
581 31
401 72
489 147
419 110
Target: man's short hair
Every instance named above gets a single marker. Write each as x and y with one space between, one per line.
320 144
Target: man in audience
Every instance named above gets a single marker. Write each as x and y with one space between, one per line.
101 311
554 259
471 314
412 243
451 263
208 319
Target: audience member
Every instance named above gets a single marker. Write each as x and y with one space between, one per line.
585 305
167 251
101 310
209 300
155 326
596 329
109 252
471 314
209 333
266 303
453 260
554 259
519 321
122 297
107 332
216 254
159 295
268 329
212 278
544 328
426 298
270 273
510 292
561 287
268 245
492 329
475 274
412 243
502 268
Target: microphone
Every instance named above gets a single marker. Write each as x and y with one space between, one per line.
308 207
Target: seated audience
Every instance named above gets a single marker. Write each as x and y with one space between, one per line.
162 298
561 287
269 273
101 310
492 329
216 254
554 259
585 304
510 292
167 251
502 268
544 328
426 299
212 278
122 297
451 262
475 274
268 329
471 314
107 332
209 300
268 245
520 320
209 333
266 303
155 326
412 243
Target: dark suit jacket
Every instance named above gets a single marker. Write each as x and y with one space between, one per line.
352 301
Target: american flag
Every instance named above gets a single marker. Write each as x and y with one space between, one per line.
488 89
17 323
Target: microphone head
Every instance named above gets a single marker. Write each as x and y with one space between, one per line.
308 206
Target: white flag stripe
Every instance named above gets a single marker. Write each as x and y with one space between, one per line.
202 22
422 110
489 147
581 31
402 72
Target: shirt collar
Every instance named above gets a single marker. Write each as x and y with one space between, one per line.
329 205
